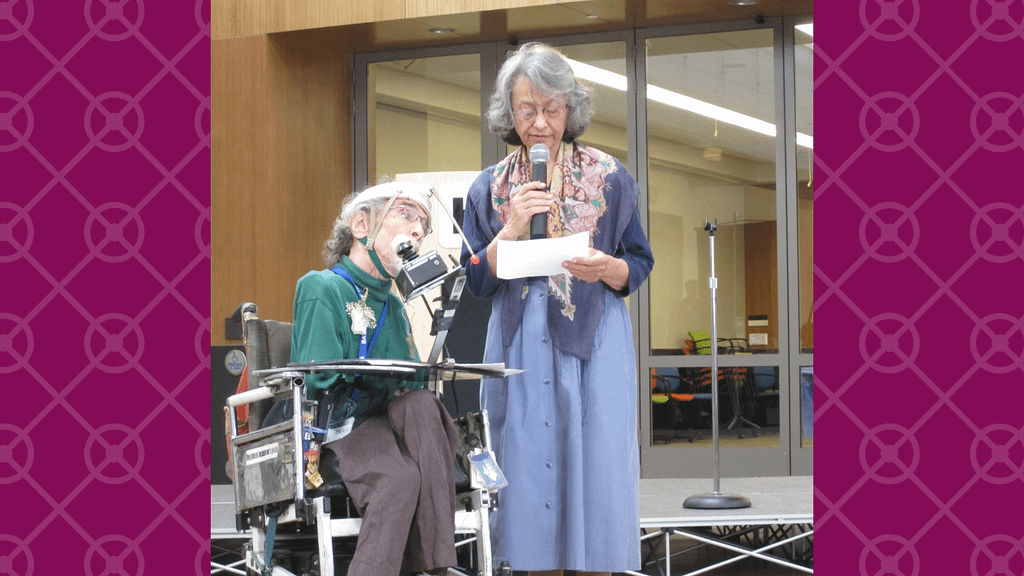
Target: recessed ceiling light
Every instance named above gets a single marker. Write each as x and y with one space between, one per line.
442 30
591 16
743 2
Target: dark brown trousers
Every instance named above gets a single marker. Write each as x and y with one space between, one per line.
398 468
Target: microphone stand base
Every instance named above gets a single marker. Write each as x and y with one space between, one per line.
716 501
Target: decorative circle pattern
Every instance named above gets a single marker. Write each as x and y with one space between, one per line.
15 18
1002 20
76 154
114 343
16 558
114 454
997 343
997 555
114 122
1004 238
997 122
16 232
887 20
16 343
890 554
884 121
889 343
114 20
114 556
881 232
884 451
114 232
997 454
16 454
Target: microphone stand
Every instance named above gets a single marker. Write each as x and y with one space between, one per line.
715 500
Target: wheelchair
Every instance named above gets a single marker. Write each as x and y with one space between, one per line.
268 464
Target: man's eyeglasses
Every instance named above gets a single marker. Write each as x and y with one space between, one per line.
409 215
552 112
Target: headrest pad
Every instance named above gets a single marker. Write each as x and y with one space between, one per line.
407 190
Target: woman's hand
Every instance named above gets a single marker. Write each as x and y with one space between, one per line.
599 267
533 198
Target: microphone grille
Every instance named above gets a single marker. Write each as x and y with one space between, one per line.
539 153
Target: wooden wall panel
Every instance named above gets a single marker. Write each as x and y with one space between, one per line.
385 22
762 279
237 18
289 15
281 165
240 146
422 8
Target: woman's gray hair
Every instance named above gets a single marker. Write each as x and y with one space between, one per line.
550 74
339 242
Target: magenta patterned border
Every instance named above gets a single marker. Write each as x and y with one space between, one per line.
104 253
918 256
105 267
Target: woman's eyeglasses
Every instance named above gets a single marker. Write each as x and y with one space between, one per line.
552 112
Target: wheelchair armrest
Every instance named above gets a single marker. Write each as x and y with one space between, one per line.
249 396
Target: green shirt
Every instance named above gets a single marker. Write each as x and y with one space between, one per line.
322 332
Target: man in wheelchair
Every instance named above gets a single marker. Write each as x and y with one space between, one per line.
399 442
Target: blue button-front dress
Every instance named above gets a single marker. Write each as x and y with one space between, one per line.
565 435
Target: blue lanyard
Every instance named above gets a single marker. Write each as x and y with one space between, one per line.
364 349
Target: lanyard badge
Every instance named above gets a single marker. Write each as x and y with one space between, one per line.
361 315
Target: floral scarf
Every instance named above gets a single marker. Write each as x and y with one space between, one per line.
587 190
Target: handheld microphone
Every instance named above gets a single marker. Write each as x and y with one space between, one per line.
539 156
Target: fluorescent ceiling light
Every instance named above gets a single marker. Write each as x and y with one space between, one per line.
618 82
806 29
599 75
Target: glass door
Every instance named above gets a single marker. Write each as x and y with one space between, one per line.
713 153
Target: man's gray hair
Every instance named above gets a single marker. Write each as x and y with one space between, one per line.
340 241
549 72
374 202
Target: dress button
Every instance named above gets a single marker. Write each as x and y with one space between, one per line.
549 464
547 423
547 505
547 380
544 339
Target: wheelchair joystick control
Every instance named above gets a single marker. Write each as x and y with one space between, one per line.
418 273
404 247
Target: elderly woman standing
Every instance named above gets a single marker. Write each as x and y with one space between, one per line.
564 431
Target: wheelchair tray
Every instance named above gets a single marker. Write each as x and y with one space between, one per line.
264 466
395 368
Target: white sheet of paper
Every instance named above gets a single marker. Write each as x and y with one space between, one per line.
543 257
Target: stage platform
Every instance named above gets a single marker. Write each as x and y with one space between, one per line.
775 528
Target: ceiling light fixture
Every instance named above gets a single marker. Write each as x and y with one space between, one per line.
441 30
743 2
806 28
618 82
